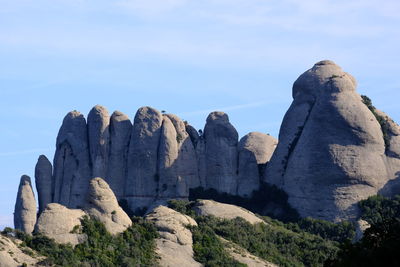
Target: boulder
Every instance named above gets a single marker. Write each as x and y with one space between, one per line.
120 134
142 177
59 223
221 154
224 211
71 162
99 139
255 150
25 206
193 134
44 182
102 205
174 246
331 151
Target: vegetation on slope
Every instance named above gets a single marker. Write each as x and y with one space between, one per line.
380 244
381 120
277 242
134 247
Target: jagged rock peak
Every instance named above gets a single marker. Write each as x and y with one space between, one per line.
103 206
99 139
25 206
44 182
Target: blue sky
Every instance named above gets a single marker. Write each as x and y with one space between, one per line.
188 57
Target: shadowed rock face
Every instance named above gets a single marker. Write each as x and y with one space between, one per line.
99 140
331 152
25 206
71 162
142 178
255 149
221 140
44 182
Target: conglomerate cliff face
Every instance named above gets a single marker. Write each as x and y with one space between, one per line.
333 151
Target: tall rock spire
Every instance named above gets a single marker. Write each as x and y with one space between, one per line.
25 206
99 139
221 155
71 162
142 177
44 182
120 134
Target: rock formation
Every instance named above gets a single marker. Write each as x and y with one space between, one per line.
12 255
25 206
221 140
71 162
224 211
120 134
331 150
44 182
255 150
99 140
103 206
142 178
58 222
174 246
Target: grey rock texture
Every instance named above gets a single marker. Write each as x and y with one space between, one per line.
120 134
99 139
71 162
221 140
224 211
25 206
175 243
12 256
193 134
142 178
44 182
103 206
331 152
255 149
57 222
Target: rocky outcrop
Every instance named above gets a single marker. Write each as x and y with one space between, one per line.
221 140
120 134
174 246
13 255
142 177
99 140
224 211
255 150
44 182
59 223
331 152
102 205
25 206
71 162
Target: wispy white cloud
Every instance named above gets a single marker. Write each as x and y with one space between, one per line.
24 152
